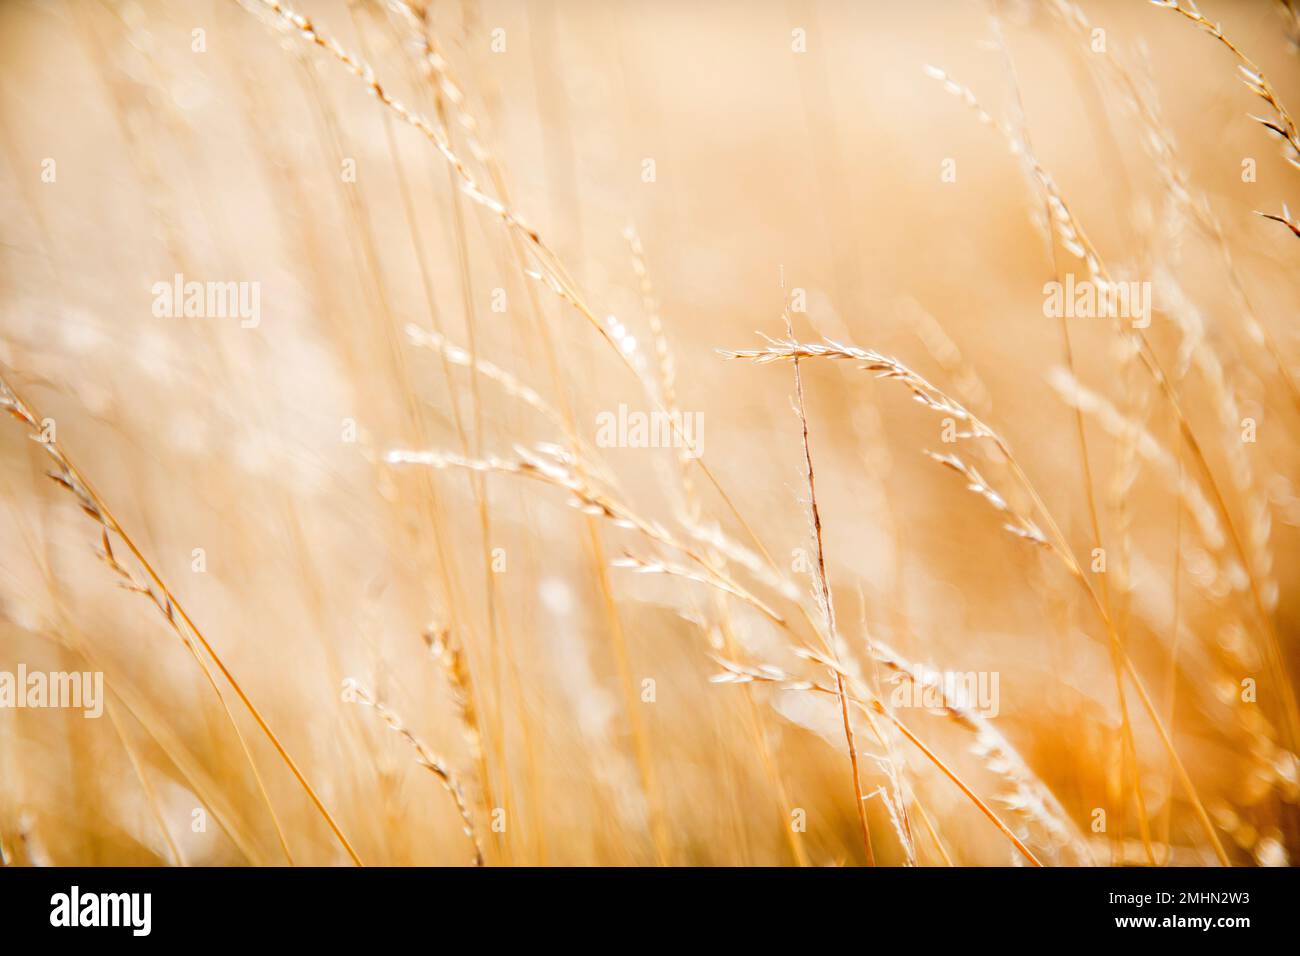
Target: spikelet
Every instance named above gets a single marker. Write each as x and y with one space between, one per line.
450 658
1280 123
426 758
151 586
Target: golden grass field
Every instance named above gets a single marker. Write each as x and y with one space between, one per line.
609 433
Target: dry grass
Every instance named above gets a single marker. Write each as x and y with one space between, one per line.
480 462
